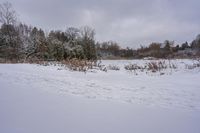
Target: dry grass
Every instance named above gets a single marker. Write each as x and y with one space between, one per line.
133 67
152 66
113 67
194 65
79 65
155 66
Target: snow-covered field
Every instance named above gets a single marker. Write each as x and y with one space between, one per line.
35 98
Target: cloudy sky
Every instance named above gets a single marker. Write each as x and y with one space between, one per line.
130 22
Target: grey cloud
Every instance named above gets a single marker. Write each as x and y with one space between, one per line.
129 22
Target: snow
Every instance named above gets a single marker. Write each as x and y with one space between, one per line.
35 98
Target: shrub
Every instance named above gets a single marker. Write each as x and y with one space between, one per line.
113 67
132 67
79 65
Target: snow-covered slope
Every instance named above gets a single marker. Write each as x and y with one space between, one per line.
51 99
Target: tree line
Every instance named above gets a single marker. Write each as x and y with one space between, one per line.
20 42
167 49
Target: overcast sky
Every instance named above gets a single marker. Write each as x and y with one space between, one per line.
130 22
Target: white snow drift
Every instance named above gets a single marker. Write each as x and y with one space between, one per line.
35 98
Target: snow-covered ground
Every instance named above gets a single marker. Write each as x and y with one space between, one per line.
35 98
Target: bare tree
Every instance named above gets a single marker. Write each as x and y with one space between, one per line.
88 42
87 32
7 14
72 33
